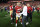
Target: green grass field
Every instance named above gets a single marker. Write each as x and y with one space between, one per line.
5 20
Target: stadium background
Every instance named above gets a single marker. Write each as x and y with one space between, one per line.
5 20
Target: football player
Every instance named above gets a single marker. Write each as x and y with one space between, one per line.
18 15
11 11
38 7
29 11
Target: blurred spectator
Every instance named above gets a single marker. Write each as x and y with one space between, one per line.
5 8
1 9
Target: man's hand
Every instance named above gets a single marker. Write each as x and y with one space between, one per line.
20 9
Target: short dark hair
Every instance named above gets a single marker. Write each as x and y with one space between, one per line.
24 3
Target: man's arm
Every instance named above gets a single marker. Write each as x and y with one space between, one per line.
24 9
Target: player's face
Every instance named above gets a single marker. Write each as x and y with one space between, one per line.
18 4
28 5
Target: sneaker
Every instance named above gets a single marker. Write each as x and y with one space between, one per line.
21 23
16 25
27 23
11 18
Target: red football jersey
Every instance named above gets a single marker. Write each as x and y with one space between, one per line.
29 8
11 7
38 8
17 8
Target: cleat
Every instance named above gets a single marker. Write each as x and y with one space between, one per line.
16 25
11 18
21 23
27 23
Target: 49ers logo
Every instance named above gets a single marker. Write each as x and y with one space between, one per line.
18 10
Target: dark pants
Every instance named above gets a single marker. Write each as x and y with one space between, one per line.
5 9
24 18
38 11
29 16
14 17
